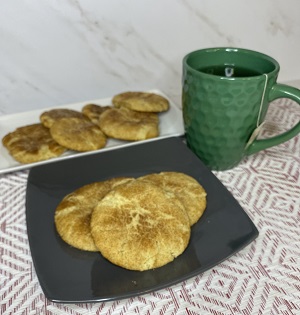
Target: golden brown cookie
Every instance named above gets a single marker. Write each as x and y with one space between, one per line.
141 101
186 188
73 214
78 134
49 117
32 143
93 112
126 124
140 226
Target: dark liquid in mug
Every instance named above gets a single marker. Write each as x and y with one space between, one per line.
230 71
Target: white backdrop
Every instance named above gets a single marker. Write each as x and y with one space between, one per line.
57 52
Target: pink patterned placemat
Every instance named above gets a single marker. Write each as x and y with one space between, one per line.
263 278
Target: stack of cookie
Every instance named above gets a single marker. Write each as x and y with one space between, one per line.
135 223
132 116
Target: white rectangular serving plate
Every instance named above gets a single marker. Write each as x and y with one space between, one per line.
170 124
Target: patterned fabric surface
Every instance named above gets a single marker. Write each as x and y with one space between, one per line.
263 278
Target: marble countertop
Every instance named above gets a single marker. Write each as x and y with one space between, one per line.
55 53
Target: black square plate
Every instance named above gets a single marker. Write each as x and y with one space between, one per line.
70 275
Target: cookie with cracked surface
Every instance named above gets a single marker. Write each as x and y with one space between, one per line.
93 112
78 134
32 143
140 226
186 188
126 124
141 101
73 214
47 118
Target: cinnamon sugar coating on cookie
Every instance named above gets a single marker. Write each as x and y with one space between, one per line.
32 143
186 189
73 214
93 112
126 124
140 226
78 134
141 101
47 118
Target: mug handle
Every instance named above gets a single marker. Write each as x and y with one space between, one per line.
277 91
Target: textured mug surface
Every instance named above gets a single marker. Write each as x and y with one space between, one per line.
222 111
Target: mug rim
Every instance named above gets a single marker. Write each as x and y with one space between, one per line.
233 50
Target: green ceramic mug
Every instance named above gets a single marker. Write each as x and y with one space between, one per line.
225 97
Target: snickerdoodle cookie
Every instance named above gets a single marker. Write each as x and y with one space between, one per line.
93 111
126 124
78 134
73 214
32 143
47 118
186 188
141 101
140 226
